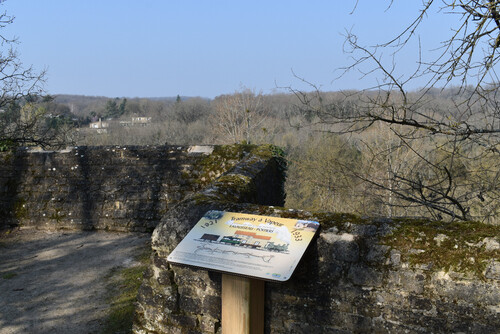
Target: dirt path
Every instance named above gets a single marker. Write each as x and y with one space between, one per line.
56 282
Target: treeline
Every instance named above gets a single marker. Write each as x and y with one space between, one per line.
374 172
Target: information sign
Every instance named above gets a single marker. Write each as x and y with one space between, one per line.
261 247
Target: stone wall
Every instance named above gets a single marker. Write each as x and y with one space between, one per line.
113 188
368 276
358 276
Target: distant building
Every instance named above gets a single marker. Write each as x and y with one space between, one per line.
137 121
100 126
141 120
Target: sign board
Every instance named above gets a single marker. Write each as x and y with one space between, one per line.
250 245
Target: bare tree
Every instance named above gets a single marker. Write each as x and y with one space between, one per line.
457 172
22 122
238 115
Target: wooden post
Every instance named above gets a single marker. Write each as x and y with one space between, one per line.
242 305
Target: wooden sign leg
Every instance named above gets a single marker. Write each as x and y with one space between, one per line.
242 305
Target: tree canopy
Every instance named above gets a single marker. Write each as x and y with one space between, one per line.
22 120
454 149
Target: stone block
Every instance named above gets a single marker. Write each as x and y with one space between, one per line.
211 305
363 275
365 231
420 303
377 253
185 321
473 291
209 324
493 270
343 246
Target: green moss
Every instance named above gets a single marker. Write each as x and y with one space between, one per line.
57 215
267 151
7 145
123 287
327 220
229 189
9 275
237 181
444 246
339 220
20 210
224 158
420 241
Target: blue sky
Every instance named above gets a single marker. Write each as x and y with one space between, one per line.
203 48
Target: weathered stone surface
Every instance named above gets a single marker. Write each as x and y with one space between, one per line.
344 246
122 188
493 270
197 291
491 244
349 280
112 188
365 276
351 283
354 278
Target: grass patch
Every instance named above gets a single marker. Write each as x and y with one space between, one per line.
9 275
123 286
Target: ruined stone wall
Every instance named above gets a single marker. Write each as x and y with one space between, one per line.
369 276
114 188
358 276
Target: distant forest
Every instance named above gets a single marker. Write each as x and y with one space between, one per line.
371 172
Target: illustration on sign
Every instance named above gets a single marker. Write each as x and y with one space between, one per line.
251 245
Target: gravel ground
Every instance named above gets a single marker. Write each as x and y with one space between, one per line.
56 282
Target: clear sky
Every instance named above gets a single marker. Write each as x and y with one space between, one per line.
203 48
